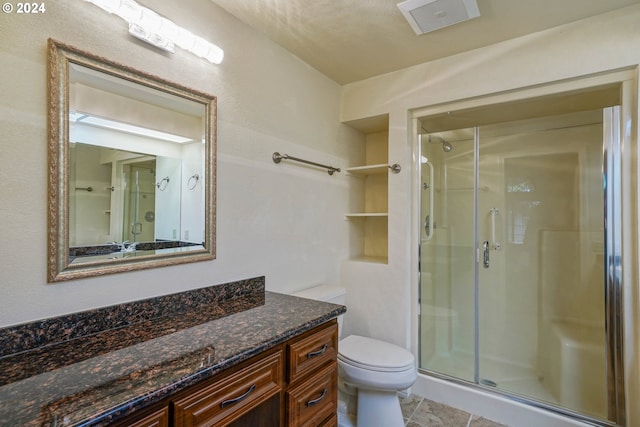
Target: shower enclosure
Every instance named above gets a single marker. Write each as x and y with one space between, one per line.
139 184
518 259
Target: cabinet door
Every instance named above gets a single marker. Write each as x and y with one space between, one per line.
314 401
228 399
159 418
267 414
308 354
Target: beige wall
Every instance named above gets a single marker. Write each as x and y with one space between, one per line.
283 221
603 43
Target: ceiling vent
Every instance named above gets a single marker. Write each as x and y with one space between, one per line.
430 15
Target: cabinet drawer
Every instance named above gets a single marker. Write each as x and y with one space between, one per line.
309 353
314 401
330 422
220 403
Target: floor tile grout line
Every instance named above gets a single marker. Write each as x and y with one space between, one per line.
410 417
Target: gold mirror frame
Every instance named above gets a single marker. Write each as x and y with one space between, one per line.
59 267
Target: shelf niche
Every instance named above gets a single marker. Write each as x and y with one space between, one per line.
371 224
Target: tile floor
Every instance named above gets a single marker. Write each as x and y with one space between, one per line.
420 412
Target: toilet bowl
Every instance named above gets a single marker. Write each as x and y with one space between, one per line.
375 370
378 370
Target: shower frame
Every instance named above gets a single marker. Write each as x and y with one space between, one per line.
619 172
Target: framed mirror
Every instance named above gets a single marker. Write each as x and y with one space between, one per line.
132 168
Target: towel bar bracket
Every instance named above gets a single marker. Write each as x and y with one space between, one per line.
395 168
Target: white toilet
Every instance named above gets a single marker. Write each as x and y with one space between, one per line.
375 369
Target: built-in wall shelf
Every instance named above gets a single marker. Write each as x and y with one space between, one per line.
369 218
368 169
374 169
365 215
371 259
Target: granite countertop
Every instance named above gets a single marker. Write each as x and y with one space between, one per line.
140 355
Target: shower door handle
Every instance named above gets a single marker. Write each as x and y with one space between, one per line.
485 254
427 226
428 220
136 228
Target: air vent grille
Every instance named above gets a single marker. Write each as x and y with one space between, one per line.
429 15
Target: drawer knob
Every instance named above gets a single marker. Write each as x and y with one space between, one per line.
239 398
317 353
314 401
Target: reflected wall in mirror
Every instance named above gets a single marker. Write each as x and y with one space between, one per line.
132 179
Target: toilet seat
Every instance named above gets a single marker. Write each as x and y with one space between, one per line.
374 355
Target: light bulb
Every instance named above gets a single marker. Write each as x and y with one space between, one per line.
150 21
185 39
129 10
169 30
110 6
200 47
215 54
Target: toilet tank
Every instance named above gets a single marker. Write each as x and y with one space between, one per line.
326 293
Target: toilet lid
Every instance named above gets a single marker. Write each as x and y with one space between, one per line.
378 355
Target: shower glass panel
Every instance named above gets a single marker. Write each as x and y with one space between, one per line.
447 255
139 201
512 259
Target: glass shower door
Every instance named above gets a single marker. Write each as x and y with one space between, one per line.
513 256
139 201
541 279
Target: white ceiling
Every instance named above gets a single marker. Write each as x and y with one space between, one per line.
351 40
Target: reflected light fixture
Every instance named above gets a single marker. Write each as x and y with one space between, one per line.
147 25
87 119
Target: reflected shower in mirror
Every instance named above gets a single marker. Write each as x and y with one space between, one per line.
123 148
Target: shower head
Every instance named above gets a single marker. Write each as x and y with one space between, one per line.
446 147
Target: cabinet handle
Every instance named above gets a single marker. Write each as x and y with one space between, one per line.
239 398
317 353
314 401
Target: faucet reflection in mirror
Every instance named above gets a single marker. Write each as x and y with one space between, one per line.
159 31
133 139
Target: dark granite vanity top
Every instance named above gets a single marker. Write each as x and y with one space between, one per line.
94 367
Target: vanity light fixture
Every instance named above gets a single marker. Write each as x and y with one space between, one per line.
147 25
151 38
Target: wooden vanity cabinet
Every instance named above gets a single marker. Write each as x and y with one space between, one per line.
294 384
